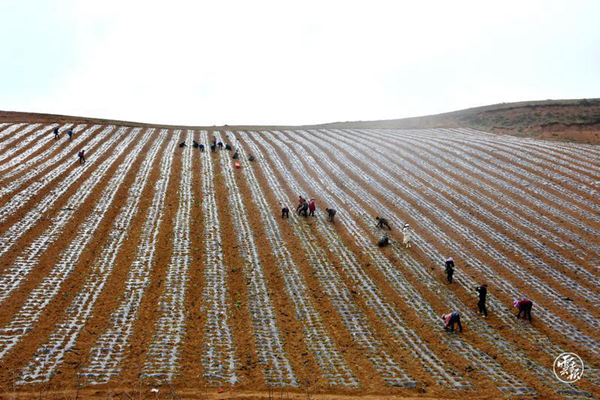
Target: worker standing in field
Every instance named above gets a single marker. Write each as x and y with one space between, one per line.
524 305
301 201
81 156
70 133
381 222
450 320
482 290
56 134
449 268
330 213
311 207
406 236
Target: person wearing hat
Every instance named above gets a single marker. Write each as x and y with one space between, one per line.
524 305
449 268
450 320
482 290
381 222
406 239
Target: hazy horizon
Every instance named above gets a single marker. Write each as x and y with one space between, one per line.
274 63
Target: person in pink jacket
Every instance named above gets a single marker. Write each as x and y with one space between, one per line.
451 319
524 305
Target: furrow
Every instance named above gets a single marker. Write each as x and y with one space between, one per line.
14 159
354 320
218 352
13 185
5 144
324 350
24 320
408 339
276 366
50 356
500 285
161 363
109 350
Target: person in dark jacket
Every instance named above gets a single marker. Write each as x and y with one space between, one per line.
227 147
236 155
384 241
285 212
56 134
220 144
381 222
450 268
182 144
482 290
195 144
330 213
524 306
70 133
251 158
450 320
201 147
81 156
301 201
304 209
213 148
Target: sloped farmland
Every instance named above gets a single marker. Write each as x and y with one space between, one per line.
154 266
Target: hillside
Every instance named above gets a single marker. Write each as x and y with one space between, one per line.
156 267
562 120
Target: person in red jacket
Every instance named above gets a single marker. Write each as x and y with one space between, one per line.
311 207
524 305
450 320
301 201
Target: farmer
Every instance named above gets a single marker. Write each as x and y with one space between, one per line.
70 133
236 155
304 209
406 236
251 158
449 268
195 144
81 156
311 207
384 241
450 320
524 305
56 134
201 147
330 213
301 201
213 147
220 144
285 212
482 290
227 147
182 144
381 222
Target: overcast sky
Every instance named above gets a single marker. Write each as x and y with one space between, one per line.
291 62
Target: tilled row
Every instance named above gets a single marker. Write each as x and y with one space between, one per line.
377 174
406 337
50 355
5 145
571 163
32 172
444 191
515 170
277 369
508 349
110 348
355 321
18 229
333 366
3 128
24 320
218 353
40 142
442 158
12 278
477 358
162 358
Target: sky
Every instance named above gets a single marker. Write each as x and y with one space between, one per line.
291 63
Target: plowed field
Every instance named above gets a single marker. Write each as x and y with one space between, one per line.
152 266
